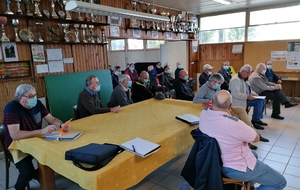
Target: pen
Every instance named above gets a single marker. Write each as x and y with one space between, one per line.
62 132
133 148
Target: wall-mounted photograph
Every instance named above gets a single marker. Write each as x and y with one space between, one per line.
10 51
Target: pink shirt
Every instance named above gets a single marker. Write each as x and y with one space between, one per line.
233 136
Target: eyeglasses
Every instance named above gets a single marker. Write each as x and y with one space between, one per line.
30 96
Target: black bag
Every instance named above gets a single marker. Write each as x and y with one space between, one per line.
96 154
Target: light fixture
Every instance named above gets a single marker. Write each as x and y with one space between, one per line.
83 7
225 2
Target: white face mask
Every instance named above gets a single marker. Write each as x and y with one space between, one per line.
263 72
209 73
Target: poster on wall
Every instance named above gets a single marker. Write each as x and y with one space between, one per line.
278 55
169 35
10 51
136 33
293 60
154 34
293 46
38 54
114 31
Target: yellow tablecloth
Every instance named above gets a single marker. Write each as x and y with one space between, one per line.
152 120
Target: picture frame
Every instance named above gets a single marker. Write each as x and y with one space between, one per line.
154 34
10 52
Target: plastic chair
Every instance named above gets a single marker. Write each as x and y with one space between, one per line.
7 161
75 112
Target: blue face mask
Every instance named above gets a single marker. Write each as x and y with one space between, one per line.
119 73
179 67
129 84
98 88
169 71
32 102
225 67
186 78
217 87
269 67
146 81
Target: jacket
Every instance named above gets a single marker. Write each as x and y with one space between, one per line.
259 83
183 90
227 76
202 169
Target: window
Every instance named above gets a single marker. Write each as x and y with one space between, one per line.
279 24
135 44
223 28
154 44
117 45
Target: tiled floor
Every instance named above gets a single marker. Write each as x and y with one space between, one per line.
282 153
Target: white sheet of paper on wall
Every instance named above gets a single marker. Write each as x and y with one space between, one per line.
238 48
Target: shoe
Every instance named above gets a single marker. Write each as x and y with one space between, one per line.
262 139
277 117
262 123
257 126
289 105
252 147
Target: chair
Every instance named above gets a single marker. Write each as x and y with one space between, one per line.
75 112
7 161
244 184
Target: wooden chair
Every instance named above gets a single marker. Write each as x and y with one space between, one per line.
75 112
244 184
7 161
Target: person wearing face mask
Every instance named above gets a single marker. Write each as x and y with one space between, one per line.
121 95
89 100
142 89
178 69
23 119
132 73
168 80
115 76
272 77
207 71
160 72
182 87
260 84
226 73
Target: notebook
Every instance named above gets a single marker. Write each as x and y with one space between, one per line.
69 136
189 119
140 147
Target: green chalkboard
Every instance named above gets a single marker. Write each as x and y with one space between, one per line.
63 90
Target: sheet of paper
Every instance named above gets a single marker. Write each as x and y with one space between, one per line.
56 66
54 54
42 68
259 97
37 52
69 60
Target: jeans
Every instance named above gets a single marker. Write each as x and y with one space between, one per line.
269 178
258 108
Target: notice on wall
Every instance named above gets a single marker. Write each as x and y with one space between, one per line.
54 54
38 54
42 68
278 55
56 66
293 60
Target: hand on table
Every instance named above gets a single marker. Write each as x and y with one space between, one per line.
48 130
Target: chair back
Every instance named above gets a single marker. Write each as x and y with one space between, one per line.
2 136
75 112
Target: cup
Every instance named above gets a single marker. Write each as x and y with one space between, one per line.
53 13
91 34
37 11
15 23
3 21
65 30
8 11
27 8
39 25
68 15
84 27
19 11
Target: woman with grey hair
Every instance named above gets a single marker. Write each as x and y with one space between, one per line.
23 119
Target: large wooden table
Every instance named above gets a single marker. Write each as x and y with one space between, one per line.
153 120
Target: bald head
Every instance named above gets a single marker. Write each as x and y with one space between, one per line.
222 100
183 73
144 75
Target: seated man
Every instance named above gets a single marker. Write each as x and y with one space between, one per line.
160 72
260 84
207 92
89 100
121 94
115 76
243 95
272 77
178 69
23 119
142 89
182 88
225 72
168 80
207 71
132 73
233 135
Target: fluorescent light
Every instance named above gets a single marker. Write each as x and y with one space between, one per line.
83 7
225 2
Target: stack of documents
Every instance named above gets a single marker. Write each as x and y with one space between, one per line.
69 136
189 119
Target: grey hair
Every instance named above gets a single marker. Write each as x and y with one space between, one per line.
123 77
216 77
22 89
246 68
88 80
258 67
223 105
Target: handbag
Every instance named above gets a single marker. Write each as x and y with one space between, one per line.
96 154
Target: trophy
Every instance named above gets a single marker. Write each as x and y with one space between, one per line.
37 11
19 11
87 16
133 3
8 11
15 23
68 15
27 7
103 37
65 29
53 13
76 26
39 25
3 21
83 26
91 36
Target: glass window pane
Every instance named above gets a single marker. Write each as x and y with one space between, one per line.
223 21
117 45
287 14
221 36
274 32
134 44
154 44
